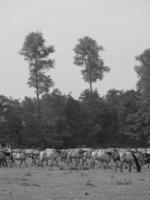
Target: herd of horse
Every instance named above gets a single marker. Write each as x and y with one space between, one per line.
78 158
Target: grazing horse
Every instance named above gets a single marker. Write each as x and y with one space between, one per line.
63 155
103 156
87 156
33 154
49 154
9 157
127 156
74 156
3 159
20 156
143 157
147 159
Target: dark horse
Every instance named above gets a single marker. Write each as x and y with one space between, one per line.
5 158
127 156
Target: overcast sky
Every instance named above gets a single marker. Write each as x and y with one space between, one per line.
122 27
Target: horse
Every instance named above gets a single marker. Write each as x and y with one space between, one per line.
129 157
33 154
103 156
143 156
19 156
49 154
3 159
9 157
75 156
147 159
87 154
63 155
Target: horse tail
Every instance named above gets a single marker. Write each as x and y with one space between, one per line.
138 167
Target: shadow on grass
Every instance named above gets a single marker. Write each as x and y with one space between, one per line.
28 174
89 183
124 181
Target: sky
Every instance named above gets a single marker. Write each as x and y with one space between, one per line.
122 27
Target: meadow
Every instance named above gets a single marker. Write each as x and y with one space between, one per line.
51 183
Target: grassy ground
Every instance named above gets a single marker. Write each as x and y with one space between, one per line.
55 184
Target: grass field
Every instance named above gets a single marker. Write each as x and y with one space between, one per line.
55 184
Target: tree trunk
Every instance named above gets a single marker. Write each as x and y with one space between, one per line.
38 105
38 99
89 74
91 90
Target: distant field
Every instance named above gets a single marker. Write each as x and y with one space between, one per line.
55 184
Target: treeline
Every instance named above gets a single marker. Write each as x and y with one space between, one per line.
53 119
117 120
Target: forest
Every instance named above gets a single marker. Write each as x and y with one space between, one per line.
53 119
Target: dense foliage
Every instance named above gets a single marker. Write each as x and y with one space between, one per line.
118 119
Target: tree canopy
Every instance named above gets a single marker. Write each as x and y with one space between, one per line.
36 53
87 55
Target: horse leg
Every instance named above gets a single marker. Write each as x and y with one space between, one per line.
68 161
12 162
56 162
33 162
130 165
100 165
4 163
52 163
116 166
24 160
92 163
1 162
79 161
121 167
21 163
40 162
107 163
76 162
86 163
46 162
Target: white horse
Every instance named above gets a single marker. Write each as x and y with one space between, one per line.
19 156
101 155
77 156
49 154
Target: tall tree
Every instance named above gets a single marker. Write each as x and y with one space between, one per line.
36 53
142 116
143 71
87 55
10 120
